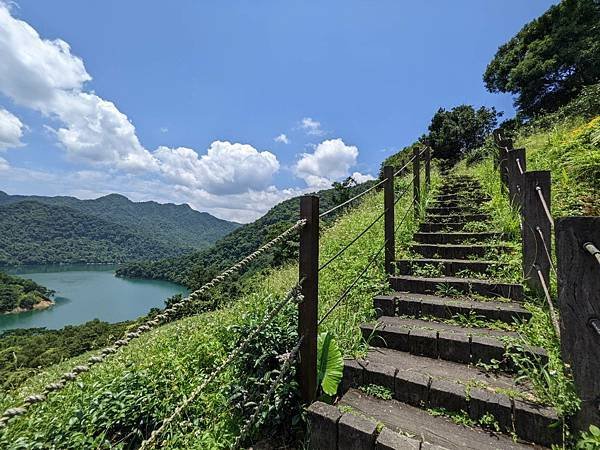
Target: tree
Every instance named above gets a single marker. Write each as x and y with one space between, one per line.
463 128
551 59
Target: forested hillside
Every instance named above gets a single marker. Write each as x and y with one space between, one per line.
17 292
195 269
36 230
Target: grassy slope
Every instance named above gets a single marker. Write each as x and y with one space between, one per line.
144 382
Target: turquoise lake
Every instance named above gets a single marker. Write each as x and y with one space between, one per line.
85 292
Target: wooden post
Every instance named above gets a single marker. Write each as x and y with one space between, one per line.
389 225
427 167
579 301
503 145
537 229
417 180
515 159
308 308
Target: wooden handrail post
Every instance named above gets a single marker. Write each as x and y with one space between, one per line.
515 162
308 309
417 180
427 167
579 302
388 205
537 229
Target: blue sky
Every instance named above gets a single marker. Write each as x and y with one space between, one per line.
182 102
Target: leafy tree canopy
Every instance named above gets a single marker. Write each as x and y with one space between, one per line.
460 129
551 59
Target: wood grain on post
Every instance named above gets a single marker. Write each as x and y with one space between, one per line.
427 167
308 309
515 177
417 180
579 301
388 205
536 251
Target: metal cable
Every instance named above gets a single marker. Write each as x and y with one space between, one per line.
539 230
360 275
519 166
290 358
593 250
553 315
293 293
335 208
544 204
163 317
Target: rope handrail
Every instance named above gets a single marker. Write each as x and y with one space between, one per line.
521 171
544 204
593 250
147 326
553 315
293 293
357 196
287 365
360 275
399 171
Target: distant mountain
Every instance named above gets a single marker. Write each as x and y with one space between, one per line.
36 229
194 269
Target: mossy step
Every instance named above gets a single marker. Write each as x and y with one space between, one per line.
445 267
424 305
444 237
456 251
444 341
467 217
466 286
435 227
462 196
452 210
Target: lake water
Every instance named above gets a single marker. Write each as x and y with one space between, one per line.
85 292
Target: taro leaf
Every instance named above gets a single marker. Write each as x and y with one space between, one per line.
330 364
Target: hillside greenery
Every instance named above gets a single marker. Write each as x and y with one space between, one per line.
18 293
41 230
197 268
120 401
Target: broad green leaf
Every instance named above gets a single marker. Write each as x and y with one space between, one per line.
330 363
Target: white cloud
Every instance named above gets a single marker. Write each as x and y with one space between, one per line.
361 178
11 130
311 127
332 159
4 164
227 168
282 138
164 130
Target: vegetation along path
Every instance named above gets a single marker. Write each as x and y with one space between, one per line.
437 357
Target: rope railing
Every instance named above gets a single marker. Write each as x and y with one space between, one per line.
287 365
544 205
356 197
371 261
546 249
163 317
519 166
293 293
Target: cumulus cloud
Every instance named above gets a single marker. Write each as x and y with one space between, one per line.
227 168
311 127
332 159
361 178
11 130
282 138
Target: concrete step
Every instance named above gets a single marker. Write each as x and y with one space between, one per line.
456 237
436 227
452 210
446 267
466 286
442 218
424 305
373 423
422 382
456 251
444 341
462 196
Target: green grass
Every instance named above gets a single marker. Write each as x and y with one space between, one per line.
120 401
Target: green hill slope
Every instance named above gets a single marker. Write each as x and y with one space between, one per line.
108 229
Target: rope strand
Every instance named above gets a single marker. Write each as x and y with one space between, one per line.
335 208
553 315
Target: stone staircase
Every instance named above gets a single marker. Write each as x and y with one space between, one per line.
431 368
